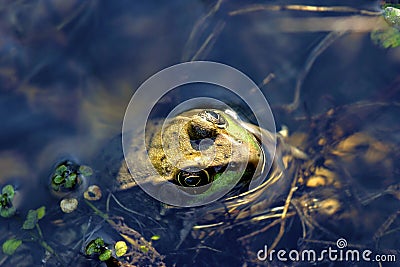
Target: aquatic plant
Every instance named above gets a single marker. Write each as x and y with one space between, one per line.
66 176
6 198
389 37
98 248
31 222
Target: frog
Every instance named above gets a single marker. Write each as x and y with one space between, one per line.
197 150
207 144
192 151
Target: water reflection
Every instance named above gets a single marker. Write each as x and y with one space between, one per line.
68 70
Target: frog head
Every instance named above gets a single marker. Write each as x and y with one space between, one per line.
200 148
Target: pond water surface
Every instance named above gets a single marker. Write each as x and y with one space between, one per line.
69 68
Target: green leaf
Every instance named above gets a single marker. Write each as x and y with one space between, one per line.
41 212
144 248
390 5
58 179
71 180
392 16
105 255
155 237
69 183
120 248
72 177
9 191
31 220
7 212
387 38
95 246
91 248
61 169
99 242
11 245
85 170
5 202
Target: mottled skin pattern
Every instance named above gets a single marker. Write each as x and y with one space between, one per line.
183 138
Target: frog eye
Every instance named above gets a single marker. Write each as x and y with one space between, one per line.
192 179
214 117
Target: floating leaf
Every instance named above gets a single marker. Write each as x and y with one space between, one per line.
387 4
387 38
94 246
392 16
155 237
105 255
120 248
11 245
41 212
68 205
71 180
61 169
9 191
144 249
6 208
7 212
58 179
99 241
31 220
92 193
85 170
5 201
91 248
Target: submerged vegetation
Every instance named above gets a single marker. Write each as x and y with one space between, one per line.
32 233
68 176
6 201
346 186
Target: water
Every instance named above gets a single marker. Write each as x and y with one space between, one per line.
68 70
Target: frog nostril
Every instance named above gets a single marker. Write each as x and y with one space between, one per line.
200 130
213 114
206 124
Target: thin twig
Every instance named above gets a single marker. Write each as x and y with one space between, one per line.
321 47
132 211
293 188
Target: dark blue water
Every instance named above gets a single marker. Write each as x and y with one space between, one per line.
68 70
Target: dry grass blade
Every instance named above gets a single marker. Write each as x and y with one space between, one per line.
198 28
256 8
293 188
266 228
208 43
383 230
